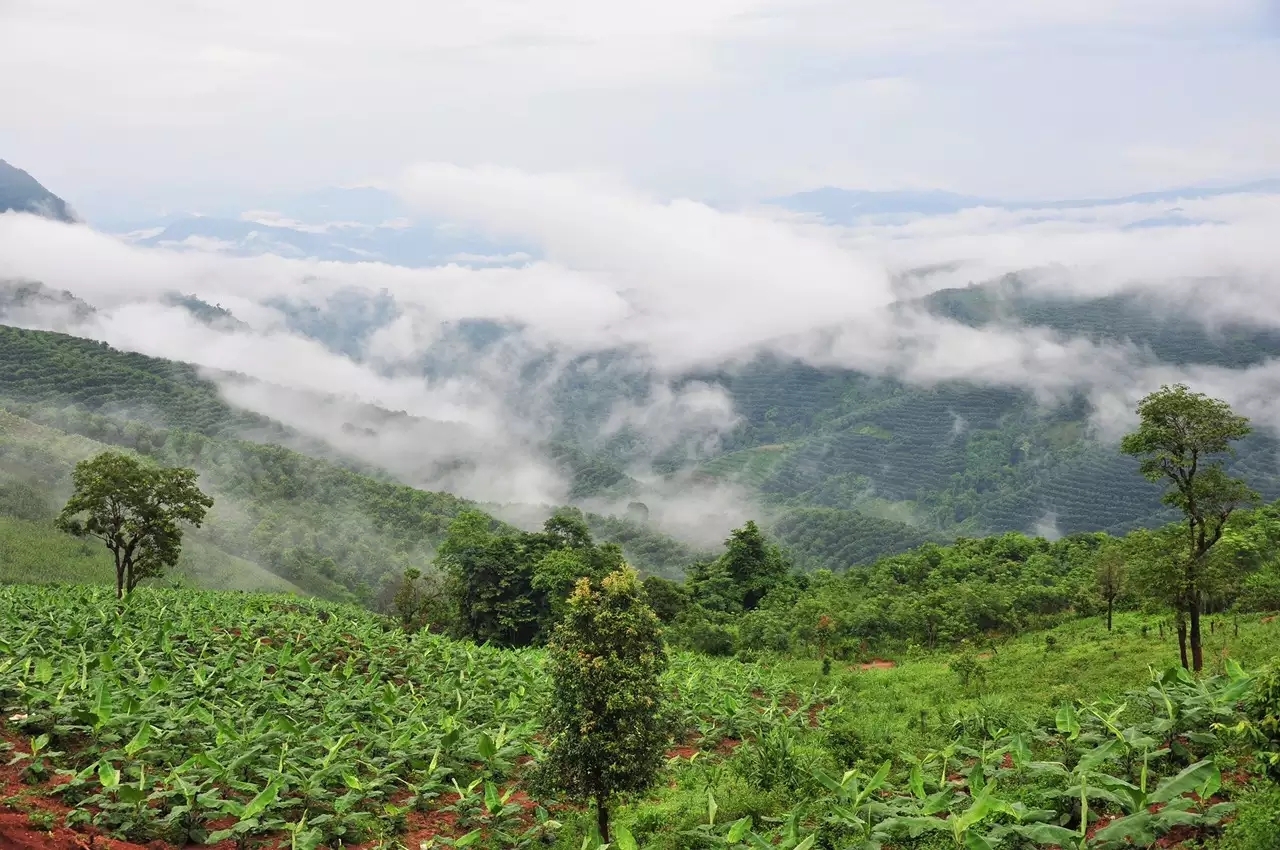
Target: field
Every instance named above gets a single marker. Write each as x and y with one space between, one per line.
234 719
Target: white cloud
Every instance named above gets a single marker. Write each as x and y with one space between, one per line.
668 286
736 97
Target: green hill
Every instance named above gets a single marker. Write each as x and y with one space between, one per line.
324 523
960 458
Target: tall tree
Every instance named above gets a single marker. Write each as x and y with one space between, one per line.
1109 567
1181 439
607 727
136 509
754 564
511 588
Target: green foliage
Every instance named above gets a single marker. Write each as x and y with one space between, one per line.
420 602
135 509
181 710
1180 438
835 539
1256 825
667 598
510 588
606 721
56 370
1261 726
937 595
752 564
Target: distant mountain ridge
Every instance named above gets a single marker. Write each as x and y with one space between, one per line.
845 206
20 192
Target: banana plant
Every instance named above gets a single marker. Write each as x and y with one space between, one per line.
850 810
249 817
1180 800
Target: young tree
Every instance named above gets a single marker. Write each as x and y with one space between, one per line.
418 601
1109 566
607 727
135 509
1179 435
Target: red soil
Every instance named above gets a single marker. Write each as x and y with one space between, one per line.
877 664
728 745
16 829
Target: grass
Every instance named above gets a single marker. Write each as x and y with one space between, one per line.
1024 680
36 553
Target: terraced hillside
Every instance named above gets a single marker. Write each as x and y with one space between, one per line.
960 458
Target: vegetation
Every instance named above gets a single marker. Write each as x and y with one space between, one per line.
509 588
926 695
199 716
607 724
135 510
1180 434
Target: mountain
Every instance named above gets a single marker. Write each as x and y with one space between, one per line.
952 459
846 206
20 192
351 225
353 517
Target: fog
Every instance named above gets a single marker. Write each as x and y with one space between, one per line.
663 287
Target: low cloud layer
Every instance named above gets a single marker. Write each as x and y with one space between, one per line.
661 288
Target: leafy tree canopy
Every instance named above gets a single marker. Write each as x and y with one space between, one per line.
608 731
136 510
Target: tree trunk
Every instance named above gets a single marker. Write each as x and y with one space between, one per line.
119 578
1197 651
1110 605
1182 640
602 819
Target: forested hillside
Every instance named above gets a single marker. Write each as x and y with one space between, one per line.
959 458
953 458
168 410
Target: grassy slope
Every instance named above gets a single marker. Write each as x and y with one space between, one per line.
32 551
317 505
1026 678
35 553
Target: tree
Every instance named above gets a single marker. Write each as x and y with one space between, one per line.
666 597
1181 438
753 563
607 727
417 601
510 588
135 509
1109 567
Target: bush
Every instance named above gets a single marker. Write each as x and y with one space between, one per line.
1263 725
1257 823
695 631
850 746
778 760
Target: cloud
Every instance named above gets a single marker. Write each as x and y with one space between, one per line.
739 97
653 289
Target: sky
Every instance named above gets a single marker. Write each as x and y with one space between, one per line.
134 106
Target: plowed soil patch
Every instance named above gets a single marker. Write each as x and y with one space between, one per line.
878 664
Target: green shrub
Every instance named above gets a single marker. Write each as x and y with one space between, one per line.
1257 823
